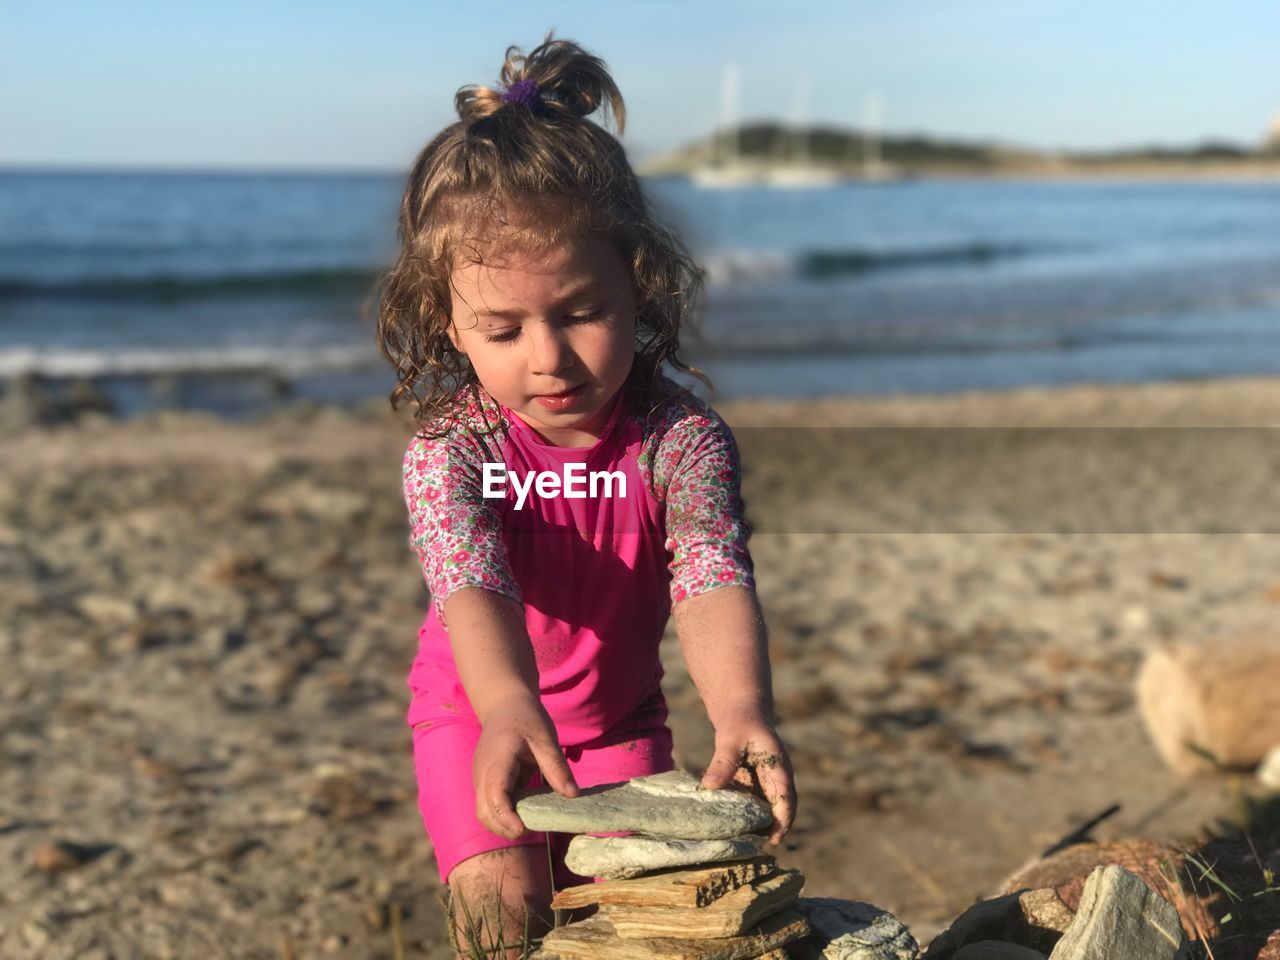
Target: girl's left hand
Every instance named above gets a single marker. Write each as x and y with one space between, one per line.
749 752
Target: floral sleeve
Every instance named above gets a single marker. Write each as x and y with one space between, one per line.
697 463
455 531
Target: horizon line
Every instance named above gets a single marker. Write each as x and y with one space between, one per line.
358 169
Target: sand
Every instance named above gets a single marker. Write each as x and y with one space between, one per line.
206 628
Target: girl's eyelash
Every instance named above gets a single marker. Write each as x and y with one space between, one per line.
510 335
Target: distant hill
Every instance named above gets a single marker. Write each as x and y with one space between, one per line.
766 146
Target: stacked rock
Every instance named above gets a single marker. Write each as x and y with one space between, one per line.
691 883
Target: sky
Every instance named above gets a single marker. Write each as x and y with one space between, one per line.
363 85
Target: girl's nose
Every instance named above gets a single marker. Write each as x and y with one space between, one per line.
550 350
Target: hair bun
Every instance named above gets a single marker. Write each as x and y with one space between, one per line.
569 82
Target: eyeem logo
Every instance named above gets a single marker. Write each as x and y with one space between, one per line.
574 484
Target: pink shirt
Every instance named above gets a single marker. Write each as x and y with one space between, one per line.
597 576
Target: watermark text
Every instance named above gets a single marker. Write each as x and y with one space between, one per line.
574 483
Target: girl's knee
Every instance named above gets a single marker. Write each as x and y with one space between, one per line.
498 900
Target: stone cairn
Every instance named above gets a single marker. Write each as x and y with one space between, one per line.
691 882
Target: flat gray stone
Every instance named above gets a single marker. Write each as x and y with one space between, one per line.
852 930
618 858
662 805
1120 916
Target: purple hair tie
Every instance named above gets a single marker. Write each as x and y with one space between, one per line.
524 91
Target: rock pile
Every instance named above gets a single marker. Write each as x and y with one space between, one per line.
692 883
1118 916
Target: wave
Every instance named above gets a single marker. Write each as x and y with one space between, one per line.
261 361
145 361
837 262
1048 341
341 281
726 266
294 362
722 267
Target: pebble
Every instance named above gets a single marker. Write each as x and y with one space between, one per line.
153 769
106 610
333 943
1269 769
59 856
1136 618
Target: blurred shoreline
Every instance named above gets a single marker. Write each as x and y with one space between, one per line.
1155 172
1261 171
785 155
254 395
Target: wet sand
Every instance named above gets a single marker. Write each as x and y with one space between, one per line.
206 628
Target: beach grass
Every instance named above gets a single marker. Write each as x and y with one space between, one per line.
479 933
1249 906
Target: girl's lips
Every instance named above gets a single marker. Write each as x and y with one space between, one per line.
561 401
563 393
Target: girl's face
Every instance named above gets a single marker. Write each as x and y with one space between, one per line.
542 324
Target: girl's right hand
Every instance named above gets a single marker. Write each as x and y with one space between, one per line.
517 738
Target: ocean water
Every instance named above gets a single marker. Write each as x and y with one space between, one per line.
238 292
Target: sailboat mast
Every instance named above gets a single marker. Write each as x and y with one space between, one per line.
871 136
800 119
729 107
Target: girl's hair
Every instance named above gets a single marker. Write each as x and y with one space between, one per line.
524 171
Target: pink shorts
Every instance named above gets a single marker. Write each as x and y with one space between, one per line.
442 752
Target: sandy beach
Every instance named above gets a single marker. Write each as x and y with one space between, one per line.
206 629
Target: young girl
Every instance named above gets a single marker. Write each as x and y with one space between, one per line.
564 494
